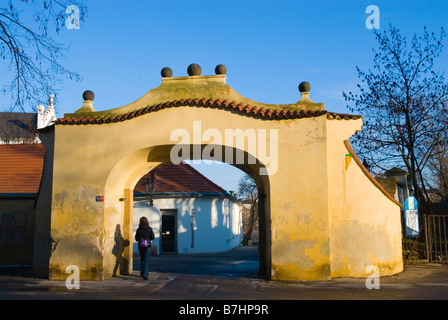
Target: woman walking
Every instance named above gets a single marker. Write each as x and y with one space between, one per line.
144 235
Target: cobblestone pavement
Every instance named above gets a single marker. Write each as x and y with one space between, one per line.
232 276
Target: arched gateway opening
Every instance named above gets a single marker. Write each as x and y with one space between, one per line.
199 210
321 216
143 161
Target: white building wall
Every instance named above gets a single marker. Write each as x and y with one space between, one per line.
217 223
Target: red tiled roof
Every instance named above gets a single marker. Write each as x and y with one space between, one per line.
178 178
210 103
21 167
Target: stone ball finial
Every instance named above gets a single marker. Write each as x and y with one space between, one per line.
88 95
194 70
166 72
220 69
304 87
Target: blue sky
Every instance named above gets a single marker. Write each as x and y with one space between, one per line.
269 47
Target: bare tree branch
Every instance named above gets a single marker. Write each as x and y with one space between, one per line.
33 56
404 104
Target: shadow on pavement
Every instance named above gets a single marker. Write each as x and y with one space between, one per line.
239 262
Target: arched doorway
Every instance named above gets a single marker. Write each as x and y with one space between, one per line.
200 213
142 161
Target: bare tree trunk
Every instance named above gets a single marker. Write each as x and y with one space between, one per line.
252 219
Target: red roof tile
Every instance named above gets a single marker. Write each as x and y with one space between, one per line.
21 167
210 103
178 178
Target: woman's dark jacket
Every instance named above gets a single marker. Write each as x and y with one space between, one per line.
144 231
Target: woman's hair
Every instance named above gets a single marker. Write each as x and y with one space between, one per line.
143 220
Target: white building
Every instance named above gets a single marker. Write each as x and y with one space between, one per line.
188 212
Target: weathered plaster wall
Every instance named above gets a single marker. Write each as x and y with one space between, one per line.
365 224
299 216
110 160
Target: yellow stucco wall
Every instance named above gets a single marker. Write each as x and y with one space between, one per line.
365 223
314 211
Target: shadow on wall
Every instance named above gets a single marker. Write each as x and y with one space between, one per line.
121 264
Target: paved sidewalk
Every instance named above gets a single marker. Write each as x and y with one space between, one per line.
232 276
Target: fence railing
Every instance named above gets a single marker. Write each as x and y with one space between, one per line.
436 230
415 247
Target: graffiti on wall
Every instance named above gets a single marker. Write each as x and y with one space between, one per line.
12 227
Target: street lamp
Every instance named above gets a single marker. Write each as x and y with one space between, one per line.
148 188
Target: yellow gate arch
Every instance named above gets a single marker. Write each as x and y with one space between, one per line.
321 216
